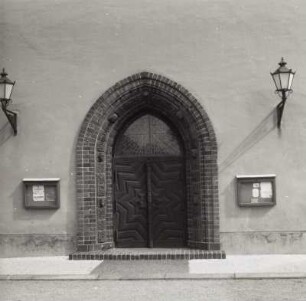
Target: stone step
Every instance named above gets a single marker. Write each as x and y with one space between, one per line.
148 254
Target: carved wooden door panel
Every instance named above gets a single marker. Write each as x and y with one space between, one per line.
168 207
131 221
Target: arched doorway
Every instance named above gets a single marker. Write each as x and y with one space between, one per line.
129 99
149 185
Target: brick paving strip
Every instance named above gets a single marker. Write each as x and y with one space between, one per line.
148 254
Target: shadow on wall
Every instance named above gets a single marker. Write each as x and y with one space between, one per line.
5 133
262 130
21 213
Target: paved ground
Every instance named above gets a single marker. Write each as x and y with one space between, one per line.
245 278
211 290
241 267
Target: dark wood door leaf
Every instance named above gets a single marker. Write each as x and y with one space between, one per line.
130 203
168 207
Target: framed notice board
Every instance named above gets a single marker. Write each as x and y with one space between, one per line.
256 190
41 193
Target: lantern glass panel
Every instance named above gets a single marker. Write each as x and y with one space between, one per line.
290 80
8 91
2 90
277 81
284 78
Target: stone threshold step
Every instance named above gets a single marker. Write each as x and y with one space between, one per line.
147 254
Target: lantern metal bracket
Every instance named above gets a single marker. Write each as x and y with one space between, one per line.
11 116
280 109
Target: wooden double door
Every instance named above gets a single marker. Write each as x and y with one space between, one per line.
149 202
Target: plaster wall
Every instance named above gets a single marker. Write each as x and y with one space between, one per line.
65 54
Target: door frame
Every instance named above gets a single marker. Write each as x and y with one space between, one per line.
153 93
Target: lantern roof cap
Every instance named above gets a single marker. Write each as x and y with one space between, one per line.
4 79
282 68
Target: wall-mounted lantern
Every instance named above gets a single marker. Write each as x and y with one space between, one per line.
282 78
6 87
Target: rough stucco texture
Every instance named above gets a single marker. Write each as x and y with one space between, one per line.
65 54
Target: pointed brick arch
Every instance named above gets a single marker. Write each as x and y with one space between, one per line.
145 92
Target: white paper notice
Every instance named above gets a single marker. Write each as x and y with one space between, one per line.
266 190
38 193
255 192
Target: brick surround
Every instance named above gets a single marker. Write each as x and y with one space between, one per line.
145 92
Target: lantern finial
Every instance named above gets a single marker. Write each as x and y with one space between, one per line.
282 62
3 73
